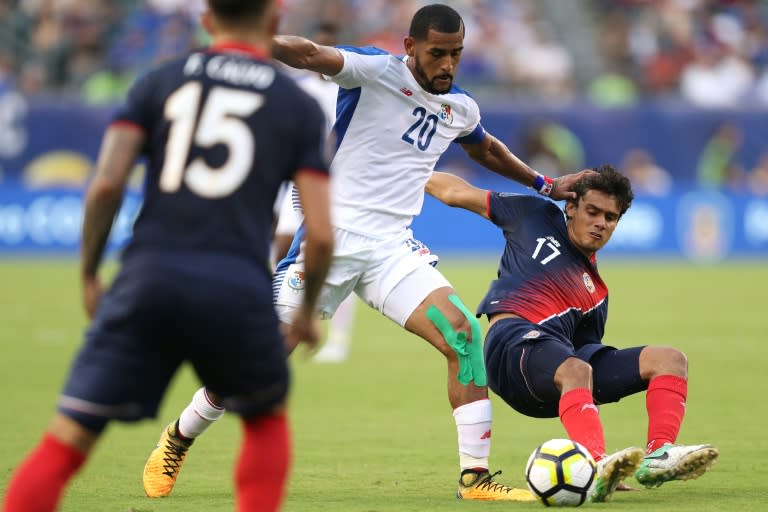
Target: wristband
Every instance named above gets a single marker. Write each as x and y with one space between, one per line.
543 185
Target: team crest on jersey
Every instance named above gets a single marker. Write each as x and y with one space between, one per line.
531 334
588 283
446 113
296 281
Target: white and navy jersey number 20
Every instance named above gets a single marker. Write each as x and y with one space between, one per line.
224 131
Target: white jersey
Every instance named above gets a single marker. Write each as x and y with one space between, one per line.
390 134
287 206
324 91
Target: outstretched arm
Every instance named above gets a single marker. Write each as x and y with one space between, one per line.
493 154
454 191
301 53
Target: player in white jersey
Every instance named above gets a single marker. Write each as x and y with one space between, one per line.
395 117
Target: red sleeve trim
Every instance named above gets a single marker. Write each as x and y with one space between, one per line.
312 170
488 204
122 123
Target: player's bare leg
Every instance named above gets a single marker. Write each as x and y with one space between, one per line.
445 322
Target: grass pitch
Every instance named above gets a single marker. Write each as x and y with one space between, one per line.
376 433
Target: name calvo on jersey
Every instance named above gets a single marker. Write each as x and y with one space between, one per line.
232 69
240 72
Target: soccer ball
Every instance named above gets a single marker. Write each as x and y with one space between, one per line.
561 472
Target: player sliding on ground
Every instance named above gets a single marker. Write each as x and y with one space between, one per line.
547 311
396 116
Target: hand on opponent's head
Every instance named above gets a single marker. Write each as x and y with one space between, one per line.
562 186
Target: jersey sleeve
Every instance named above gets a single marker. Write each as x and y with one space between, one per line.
475 133
361 65
506 209
139 108
311 145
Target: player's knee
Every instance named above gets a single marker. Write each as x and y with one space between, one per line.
455 329
678 360
658 360
78 430
461 324
573 373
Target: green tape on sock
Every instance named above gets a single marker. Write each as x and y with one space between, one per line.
470 354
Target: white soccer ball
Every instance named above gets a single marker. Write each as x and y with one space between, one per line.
561 472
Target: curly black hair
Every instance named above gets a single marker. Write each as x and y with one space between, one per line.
608 180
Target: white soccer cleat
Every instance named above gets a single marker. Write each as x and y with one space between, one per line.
612 469
676 462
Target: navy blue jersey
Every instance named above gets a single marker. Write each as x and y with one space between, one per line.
224 128
542 276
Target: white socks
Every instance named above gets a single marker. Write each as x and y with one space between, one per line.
473 423
340 324
198 415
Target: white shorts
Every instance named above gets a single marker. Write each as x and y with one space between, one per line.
392 276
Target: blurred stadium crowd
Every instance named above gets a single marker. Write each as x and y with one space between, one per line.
710 53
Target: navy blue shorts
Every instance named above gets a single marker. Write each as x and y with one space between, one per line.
521 360
214 312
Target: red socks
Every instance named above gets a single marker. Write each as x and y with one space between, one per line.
665 402
579 416
39 481
262 467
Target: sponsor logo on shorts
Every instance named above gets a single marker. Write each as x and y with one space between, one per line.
296 281
531 334
588 283
417 246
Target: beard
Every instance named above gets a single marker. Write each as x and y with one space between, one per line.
426 83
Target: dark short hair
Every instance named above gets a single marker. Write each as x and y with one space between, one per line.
437 17
609 181
235 11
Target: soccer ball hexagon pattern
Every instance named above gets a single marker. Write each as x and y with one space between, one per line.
561 472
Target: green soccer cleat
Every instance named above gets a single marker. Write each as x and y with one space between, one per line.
479 485
676 462
612 469
164 463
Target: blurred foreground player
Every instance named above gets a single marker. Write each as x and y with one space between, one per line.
222 129
165 461
547 313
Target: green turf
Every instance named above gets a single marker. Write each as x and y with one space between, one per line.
376 433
